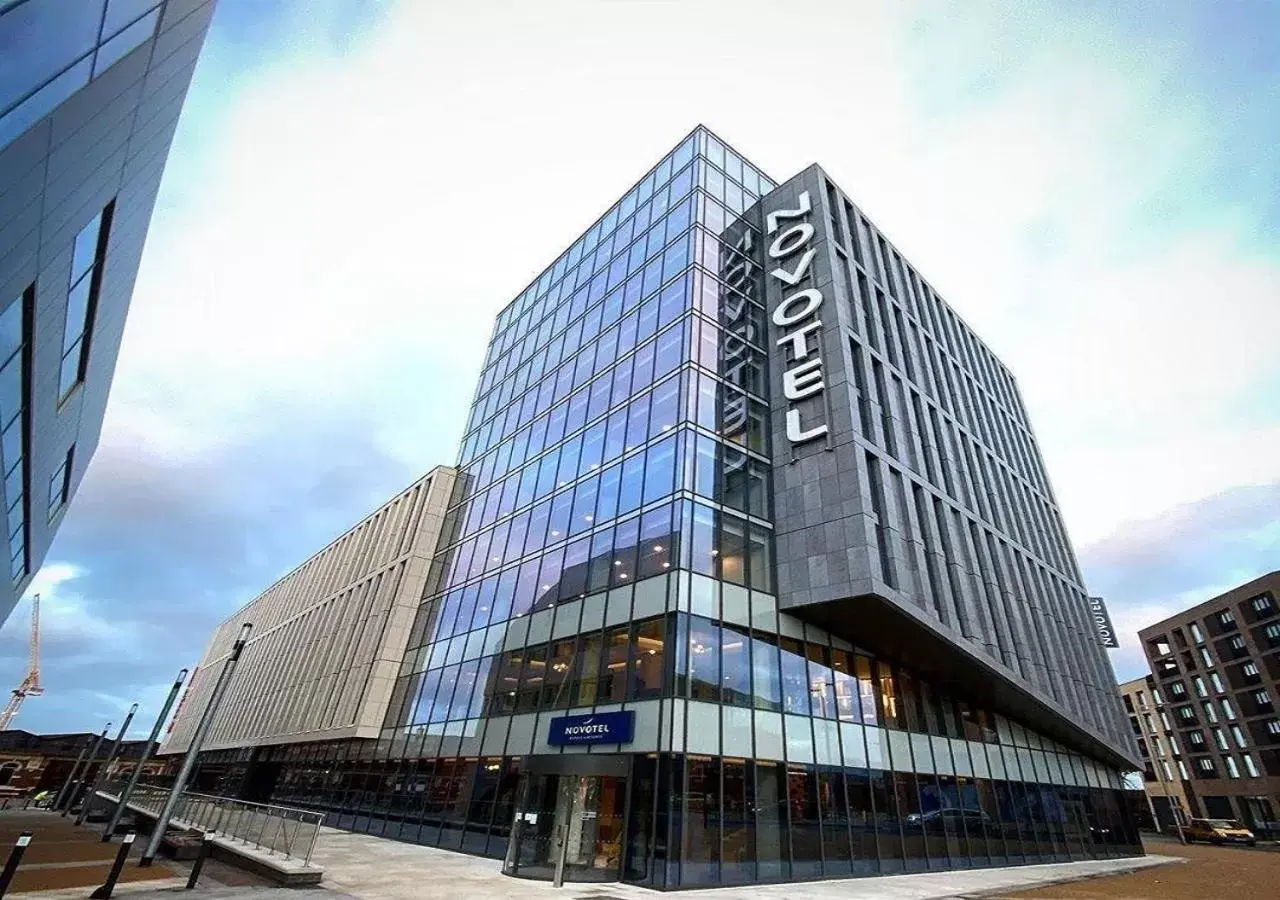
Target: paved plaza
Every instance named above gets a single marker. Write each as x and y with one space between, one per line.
375 869
369 868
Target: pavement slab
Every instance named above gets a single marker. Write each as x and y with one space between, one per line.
371 868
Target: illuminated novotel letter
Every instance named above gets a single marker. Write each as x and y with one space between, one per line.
798 315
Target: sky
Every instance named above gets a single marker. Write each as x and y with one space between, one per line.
358 187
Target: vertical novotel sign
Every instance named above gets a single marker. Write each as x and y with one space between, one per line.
797 315
1102 621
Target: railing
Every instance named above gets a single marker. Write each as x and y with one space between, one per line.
276 829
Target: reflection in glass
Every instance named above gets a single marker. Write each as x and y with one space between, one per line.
773 863
704 659
700 863
795 677
738 863
649 659
735 660
613 675
766 677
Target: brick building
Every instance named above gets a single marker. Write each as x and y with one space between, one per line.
1216 667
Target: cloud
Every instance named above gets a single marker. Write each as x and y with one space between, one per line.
1150 569
204 535
354 193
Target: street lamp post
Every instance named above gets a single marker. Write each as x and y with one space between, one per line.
74 785
106 764
193 751
71 776
142 759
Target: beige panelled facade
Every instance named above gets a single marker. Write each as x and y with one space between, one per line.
329 637
1164 768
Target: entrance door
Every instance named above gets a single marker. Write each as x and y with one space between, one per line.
571 819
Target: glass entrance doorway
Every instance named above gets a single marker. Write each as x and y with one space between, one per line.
570 820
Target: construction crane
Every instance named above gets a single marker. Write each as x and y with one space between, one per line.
30 686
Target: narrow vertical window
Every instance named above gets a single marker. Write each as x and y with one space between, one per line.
15 364
878 507
60 483
82 299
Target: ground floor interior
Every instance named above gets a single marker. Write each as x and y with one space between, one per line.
670 821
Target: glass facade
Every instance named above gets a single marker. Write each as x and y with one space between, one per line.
49 49
610 547
15 439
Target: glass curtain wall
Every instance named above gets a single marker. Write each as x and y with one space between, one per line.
611 544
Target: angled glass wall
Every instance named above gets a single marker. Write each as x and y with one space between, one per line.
610 548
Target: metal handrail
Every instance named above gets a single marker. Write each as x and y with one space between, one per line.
264 825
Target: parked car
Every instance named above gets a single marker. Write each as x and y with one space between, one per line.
1218 831
952 818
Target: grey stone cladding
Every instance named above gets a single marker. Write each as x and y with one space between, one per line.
929 491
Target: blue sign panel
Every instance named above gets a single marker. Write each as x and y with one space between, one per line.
601 728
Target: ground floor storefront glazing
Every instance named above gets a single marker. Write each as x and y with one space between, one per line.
686 820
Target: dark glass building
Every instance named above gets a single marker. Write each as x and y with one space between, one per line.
90 93
752 573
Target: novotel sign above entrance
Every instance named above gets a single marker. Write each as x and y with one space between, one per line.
797 315
600 728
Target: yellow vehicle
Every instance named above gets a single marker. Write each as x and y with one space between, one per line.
1218 831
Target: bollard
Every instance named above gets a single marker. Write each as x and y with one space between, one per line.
206 847
15 857
104 891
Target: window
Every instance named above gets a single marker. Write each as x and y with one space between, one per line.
1250 671
1196 738
1237 643
15 323
82 300
60 483
1186 714
1196 634
1221 739
1226 618
1182 770
1227 709
1232 770
1205 766
1201 691
1249 765
1272 633
1151 725
1161 647
1261 604
1178 689
1238 734
1210 713
1168 772
1273 728
1142 700
1217 682
1164 717
1262 698
53 44
1207 657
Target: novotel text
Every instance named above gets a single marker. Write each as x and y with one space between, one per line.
797 315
